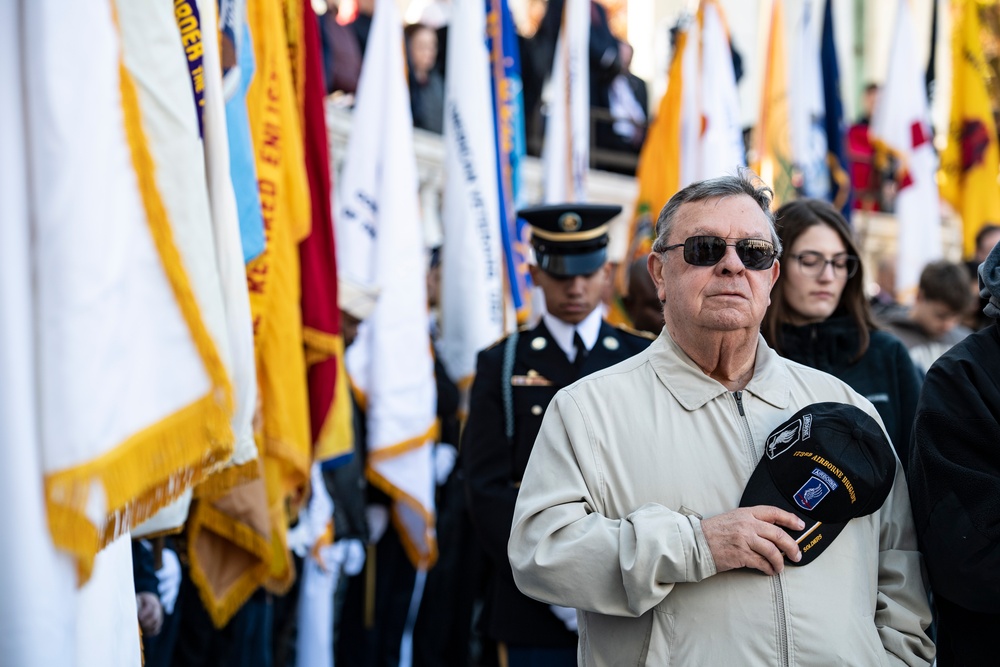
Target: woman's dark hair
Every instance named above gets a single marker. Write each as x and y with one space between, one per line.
793 219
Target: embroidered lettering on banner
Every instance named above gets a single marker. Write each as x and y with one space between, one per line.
189 23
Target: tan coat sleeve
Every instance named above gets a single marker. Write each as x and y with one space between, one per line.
902 613
564 550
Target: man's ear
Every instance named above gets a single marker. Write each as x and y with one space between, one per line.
533 270
654 264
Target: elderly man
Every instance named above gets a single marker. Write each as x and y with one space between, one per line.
629 507
515 380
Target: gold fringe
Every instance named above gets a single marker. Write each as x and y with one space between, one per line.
321 345
393 451
223 481
222 609
420 561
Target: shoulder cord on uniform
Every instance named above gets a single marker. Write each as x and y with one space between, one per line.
509 350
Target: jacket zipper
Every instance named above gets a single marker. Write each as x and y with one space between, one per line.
776 585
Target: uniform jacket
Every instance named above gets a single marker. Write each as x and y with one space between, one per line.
493 467
608 521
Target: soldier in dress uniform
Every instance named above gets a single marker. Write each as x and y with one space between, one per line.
515 380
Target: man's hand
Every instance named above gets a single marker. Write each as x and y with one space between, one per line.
752 537
150 613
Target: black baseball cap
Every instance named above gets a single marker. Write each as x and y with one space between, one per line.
570 239
827 464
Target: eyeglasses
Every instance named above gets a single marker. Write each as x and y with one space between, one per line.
814 264
756 254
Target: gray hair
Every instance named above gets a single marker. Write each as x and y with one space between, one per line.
745 182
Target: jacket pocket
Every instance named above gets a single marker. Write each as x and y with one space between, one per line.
661 640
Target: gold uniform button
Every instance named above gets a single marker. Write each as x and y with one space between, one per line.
538 343
537 410
611 343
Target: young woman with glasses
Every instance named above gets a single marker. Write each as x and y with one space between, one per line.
819 316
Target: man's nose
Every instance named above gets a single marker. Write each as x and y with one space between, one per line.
730 262
575 284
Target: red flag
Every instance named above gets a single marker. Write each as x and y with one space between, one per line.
329 409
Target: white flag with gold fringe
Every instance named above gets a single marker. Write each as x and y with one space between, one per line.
380 245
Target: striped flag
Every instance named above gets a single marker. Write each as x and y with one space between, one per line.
380 245
901 123
508 122
969 162
472 304
566 147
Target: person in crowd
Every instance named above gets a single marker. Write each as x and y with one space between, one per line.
345 480
986 239
443 634
625 100
537 54
931 326
871 168
147 596
341 52
629 509
372 615
819 316
361 23
642 305
515 380
426 82
884 300
954 485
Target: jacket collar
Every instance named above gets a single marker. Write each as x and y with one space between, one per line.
693 389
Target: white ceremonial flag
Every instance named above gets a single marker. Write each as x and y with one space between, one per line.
806 107
134 400
37 583
380 244
901 121
472 271
192 23
720 147
566 147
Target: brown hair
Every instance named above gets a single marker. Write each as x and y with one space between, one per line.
793 219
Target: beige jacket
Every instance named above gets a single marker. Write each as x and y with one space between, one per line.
627 462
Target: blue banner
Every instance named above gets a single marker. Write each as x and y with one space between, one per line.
508 115
836 130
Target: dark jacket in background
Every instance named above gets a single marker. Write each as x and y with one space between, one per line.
954 482
885 375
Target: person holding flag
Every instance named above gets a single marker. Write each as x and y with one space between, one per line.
515 380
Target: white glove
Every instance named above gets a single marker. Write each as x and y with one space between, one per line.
566 615
444 462
314 519
298 538
378 521
354 557
168 579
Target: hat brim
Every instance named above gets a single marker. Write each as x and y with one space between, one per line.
573 264
813 539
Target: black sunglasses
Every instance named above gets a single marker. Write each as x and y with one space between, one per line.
756 254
